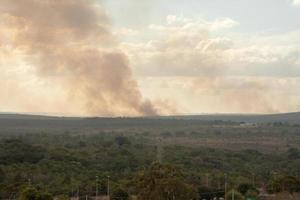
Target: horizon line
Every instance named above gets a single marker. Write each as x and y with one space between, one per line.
66 115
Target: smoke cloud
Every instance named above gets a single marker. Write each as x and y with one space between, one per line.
69 42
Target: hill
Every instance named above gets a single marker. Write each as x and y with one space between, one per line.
293 118
248 118
261 132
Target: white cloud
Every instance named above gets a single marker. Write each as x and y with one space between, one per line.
125 32
180 23
208 68
296 2
182 46
193 47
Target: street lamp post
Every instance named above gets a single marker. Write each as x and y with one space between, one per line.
225 186
97 180
108 186
253 179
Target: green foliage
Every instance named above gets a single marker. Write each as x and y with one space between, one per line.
120 194
273 187
45 196
286 183
16 151
233 194
210 193
69 162
252 194
31 193
293 153
243 188
2 175
62 197
121 140
289 184
163 182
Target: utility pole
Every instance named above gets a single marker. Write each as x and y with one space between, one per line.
108 186
232 197
72 187
253 179
159 150
273 180
72 192
97 180
207 182
78 193
225 186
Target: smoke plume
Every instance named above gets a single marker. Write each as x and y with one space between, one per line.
71 41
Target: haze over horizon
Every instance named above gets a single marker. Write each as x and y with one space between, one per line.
144 58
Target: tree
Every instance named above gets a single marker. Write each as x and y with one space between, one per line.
163 182
273 187
235 194
121 140
17 151
63 197
290 184
45 196
2 175
210 193
252 194
243 188
31 193
293 153
287 183
120 194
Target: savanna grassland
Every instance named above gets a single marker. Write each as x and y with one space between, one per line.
63 156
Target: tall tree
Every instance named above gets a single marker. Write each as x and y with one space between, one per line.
163 182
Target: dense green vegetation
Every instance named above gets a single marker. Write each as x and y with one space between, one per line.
64 159
67 164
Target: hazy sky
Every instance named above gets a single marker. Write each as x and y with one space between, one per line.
169 56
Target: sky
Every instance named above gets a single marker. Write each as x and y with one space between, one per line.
142 57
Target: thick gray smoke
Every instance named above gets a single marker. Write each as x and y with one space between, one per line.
71 40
